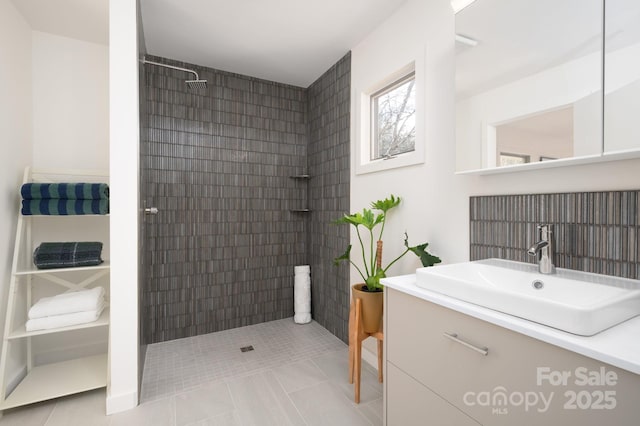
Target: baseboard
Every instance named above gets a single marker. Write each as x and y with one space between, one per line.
121 402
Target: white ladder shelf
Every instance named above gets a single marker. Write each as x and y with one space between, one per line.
57 379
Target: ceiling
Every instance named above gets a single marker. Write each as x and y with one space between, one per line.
86 20
288 41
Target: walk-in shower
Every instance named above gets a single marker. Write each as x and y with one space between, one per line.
192 84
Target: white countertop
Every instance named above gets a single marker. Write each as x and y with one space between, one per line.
618 345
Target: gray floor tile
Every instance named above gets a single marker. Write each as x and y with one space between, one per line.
257 405
156 413
283 399
86 408
372 411
35 414
335 365
324 405
299 375
205 402
178 365
227 419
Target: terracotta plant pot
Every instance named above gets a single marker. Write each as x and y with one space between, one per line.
372 302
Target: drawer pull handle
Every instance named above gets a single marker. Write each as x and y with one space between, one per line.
455 338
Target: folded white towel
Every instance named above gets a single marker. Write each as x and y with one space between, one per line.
65 320
68 303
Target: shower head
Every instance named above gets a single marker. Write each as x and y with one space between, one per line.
191 84
196 84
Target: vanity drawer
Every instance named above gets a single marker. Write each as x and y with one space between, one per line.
416 343
411 403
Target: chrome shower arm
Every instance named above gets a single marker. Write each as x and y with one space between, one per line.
146 61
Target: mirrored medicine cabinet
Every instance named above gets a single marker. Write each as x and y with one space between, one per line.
546 83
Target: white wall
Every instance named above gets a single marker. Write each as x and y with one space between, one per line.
54 114
436 201
70 103
412 29
122 392
15 138
70 84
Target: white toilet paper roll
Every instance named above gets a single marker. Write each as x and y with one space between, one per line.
302 294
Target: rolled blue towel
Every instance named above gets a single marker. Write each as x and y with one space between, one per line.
68 191
64 207
67 255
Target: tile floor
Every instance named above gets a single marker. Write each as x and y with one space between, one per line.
296 375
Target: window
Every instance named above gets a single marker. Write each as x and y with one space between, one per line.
388 112
393 119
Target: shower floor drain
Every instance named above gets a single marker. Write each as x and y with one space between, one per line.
246 348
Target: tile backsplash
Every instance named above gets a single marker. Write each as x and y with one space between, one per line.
592 231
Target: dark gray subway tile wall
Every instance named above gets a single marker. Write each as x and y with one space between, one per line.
329 157
218 164
592 231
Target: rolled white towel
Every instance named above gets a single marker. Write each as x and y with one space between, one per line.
68 303
302 294
65 320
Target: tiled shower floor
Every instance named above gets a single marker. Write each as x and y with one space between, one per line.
178 365
296 375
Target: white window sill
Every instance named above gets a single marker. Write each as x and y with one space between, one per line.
401 160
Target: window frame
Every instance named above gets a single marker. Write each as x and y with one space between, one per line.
374 116
373 83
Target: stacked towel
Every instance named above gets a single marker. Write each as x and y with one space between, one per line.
64 198
65 303
54 206
67 255
66 309
68 191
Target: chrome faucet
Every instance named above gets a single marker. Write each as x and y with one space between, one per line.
543 250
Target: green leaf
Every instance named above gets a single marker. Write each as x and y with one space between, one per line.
367 219
344 256
386 204
373 282
355 219
426 258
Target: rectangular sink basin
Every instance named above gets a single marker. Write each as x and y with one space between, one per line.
576 302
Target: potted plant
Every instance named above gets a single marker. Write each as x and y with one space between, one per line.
372 270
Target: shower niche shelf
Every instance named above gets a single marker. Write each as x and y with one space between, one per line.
301 177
